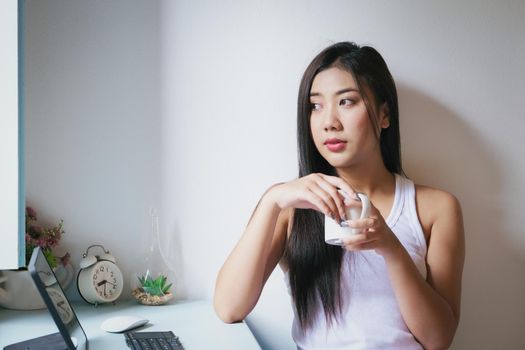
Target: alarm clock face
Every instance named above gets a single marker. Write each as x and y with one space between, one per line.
62 306
107 281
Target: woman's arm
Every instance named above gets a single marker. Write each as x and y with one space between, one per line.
429 307
243 275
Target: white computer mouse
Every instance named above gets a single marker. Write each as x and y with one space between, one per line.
119 324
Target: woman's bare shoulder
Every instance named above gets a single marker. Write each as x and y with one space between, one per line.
433 205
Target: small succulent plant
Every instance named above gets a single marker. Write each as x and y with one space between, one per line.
155 286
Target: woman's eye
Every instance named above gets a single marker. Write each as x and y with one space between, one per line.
315 106
346 102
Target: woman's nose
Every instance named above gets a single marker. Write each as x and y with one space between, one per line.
331 119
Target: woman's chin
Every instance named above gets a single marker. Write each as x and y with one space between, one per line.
340 163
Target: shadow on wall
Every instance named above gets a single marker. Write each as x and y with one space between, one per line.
441 150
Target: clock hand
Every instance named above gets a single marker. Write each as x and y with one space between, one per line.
111 283
101 283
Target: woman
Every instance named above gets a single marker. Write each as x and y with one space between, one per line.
396 284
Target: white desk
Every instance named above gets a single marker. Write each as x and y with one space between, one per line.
194 322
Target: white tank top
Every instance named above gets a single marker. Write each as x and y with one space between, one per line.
370 315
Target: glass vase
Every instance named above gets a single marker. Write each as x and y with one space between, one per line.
152 285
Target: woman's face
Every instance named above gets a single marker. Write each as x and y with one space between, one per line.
341 128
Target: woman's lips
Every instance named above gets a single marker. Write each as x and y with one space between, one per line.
335 145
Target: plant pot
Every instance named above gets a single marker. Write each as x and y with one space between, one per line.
148 299
18 291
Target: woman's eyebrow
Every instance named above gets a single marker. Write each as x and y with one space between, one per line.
340 92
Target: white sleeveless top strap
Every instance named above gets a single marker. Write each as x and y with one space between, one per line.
370 315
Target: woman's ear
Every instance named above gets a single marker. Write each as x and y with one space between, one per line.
384 116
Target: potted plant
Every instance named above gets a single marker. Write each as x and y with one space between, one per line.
150 291
45 238
17 290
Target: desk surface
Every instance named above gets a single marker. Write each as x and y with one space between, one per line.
194 322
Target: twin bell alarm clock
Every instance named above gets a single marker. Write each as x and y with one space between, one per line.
99 279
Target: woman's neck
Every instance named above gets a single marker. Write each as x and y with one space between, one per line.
368 179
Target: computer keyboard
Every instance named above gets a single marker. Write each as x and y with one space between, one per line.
153 341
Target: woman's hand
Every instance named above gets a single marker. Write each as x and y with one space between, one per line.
375 234
314 191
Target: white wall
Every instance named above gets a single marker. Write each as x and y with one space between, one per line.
93 145
190 106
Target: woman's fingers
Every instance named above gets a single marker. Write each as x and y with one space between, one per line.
367 239
316 191
359 238
318 203
335 198
317 184
328 201
369 223
339 183
362 241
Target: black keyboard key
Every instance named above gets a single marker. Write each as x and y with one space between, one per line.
153 341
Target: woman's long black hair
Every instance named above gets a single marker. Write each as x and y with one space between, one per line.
314 266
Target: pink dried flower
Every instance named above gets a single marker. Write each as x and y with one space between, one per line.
36 235
30 213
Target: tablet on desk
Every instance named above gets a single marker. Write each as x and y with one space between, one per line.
71 335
